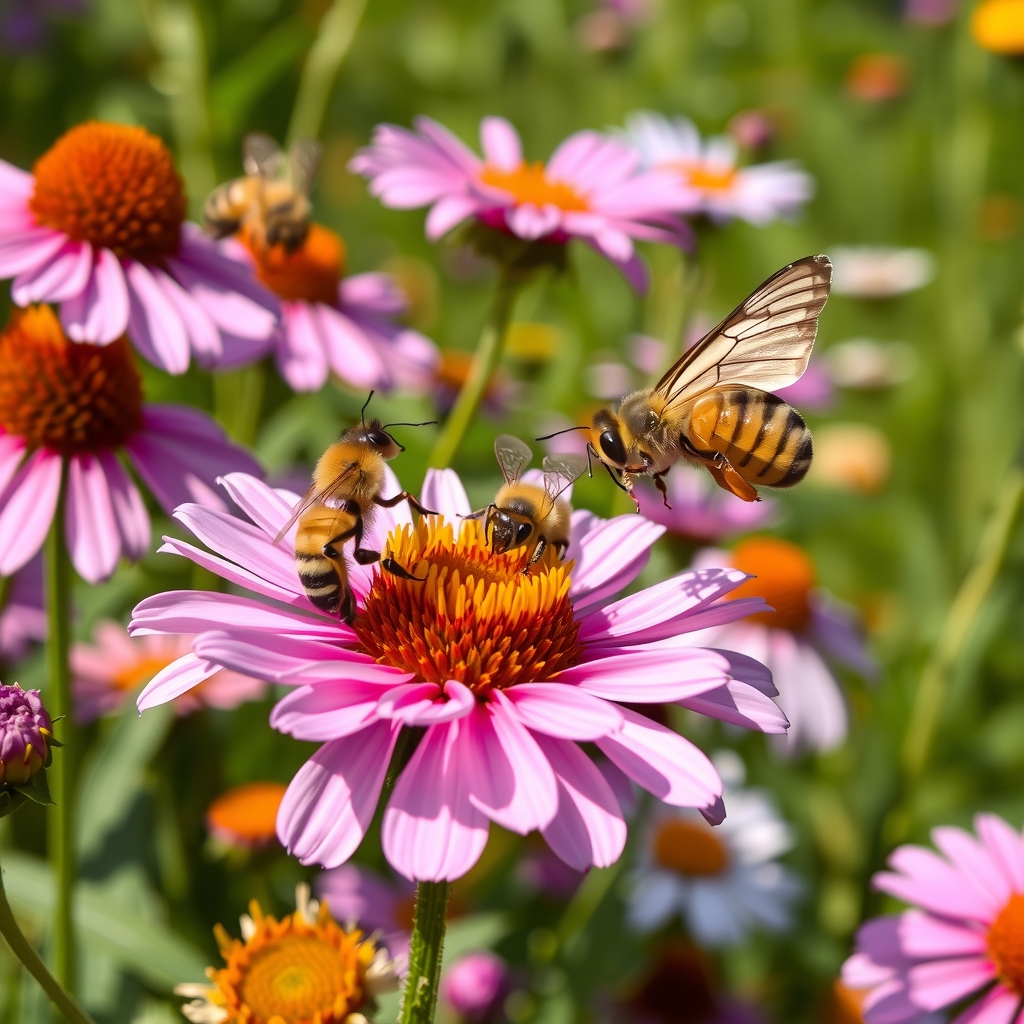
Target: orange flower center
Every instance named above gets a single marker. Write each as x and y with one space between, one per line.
477 618
843 1005
114 186
140 672
64 396
529 183
703 176
247 814
310 273
1006 943
292 971
689 848
785 579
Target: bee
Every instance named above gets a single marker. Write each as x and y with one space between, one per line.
523 514
715 407
339 506
271 203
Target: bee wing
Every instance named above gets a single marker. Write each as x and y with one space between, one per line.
262 155
315 495
513 456
560 472
764 343
303 160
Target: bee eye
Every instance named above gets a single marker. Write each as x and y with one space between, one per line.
378 437
611 445
522 532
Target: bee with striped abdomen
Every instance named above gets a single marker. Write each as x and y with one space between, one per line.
715 407
338 507
271 203
523 514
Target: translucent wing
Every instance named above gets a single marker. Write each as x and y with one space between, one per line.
262 155
513 456
303 160
313 496
764 343
561 471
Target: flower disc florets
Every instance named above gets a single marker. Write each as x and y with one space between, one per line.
478 618
114 186
310 273
69 398
25 728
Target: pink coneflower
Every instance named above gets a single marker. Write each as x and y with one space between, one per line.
591 188
22 618
80 405
99 227
792 640
505 671
349 326
709 174
109 674
964 939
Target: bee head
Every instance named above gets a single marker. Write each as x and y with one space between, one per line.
507 531
373 434
606 438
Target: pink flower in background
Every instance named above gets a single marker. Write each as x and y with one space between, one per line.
500 741
83 404
964 939
591 188
109 673
792 640
474 983
709 174
99 227
349 326
22 618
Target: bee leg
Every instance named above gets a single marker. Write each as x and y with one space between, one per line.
538 551
347 609
659 482
391 566
729 479
560 548
403 496
331 551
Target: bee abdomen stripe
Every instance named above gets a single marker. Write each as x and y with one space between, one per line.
767 418
787 435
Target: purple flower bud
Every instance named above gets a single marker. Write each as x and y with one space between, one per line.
25 728
471 985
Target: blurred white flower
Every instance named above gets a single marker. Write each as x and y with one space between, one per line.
877 271
868 364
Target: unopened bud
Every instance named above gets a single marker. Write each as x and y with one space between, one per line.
25 732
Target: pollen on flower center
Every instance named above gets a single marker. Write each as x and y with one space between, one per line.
703 176
1006 943
114 186
477 618
310 273
529 183
71 398
689 848
785 579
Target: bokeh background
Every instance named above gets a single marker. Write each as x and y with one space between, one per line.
912 132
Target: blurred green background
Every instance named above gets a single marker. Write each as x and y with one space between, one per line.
937 164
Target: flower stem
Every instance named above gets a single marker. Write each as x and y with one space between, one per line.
61 775
485 360
23 950
419 999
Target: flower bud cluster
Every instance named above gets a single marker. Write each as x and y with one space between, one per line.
25 731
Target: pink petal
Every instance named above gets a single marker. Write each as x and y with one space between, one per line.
374 293
1005 846
500 143
23 250
1000 1006
129 510
588 829
175 679
328 712
195 611
12 451
62 277
329 804
266 507
300 351
420 703
739 704
431 830
979 869
564 711
447 212
613 552
651 675
153 322
938 983
203 336
927 880
662 762
350 351
101 312
443 492
27 507
94 539
925 937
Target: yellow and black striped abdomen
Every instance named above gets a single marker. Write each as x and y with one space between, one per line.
765 440
324 579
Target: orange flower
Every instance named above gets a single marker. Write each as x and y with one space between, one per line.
246 816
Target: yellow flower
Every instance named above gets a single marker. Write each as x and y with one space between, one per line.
998 25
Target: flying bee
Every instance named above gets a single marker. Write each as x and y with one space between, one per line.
523 514
339 506
715 407
271 203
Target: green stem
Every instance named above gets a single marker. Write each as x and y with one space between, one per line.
23 950
61 775
485 361
419 999
337 30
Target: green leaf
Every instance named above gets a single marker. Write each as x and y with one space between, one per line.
115 773
36 789
120 916
10 800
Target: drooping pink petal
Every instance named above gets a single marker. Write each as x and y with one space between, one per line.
374 294
300 351
93 535
179 677
27 506
1000 1006
100 313
268 508
350 352
500 144
320 712
421 703
129 509
153 321
62 277
329 804
203 336
24 248
195 611
568 712
738 703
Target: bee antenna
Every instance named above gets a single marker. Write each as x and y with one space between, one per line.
362 412
425 423
547 437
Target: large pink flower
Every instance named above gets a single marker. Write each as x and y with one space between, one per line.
963 941
505 671
99 228
80 405
591 188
